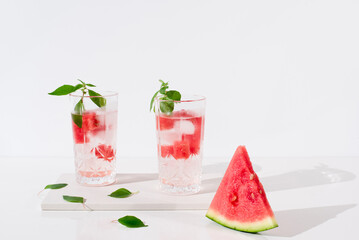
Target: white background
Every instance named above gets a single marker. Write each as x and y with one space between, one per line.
280 77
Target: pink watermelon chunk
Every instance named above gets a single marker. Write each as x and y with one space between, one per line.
90 123
240 202
164 122
181 150
79 136
166 150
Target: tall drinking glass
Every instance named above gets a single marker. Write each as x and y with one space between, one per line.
180 142
94 126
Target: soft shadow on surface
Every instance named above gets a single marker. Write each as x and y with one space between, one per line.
210 185
221 168
319 175
135 177
96 225
296 221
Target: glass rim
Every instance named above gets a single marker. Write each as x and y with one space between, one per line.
196 98
105 94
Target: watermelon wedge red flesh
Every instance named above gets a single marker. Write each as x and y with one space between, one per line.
240 202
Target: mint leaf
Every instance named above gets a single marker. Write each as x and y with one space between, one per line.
153 99
63 90
131 222
78 86
77 119
84 84
73 199
79 107
163 90
90 85
56 186
77 116
174 95
121 193
99 101
166 106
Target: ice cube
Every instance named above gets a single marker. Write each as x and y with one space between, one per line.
184 126
168 137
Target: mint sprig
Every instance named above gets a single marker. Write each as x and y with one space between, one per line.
169 97
96 98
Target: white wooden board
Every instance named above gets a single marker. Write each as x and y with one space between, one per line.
148 198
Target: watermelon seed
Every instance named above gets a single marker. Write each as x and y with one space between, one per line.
252 195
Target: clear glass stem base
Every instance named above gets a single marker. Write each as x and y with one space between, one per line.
176 190
96 181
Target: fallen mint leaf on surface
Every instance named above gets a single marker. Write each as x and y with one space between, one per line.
73 199
131 222
56 186
121 193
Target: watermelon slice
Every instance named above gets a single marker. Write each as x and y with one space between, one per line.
240 202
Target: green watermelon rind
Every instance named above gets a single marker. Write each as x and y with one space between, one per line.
253 227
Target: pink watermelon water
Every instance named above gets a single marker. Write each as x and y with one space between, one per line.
190 143
240 202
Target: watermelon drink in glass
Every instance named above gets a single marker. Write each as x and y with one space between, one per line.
94 126
180 143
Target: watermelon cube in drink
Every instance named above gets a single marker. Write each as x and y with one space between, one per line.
180 140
